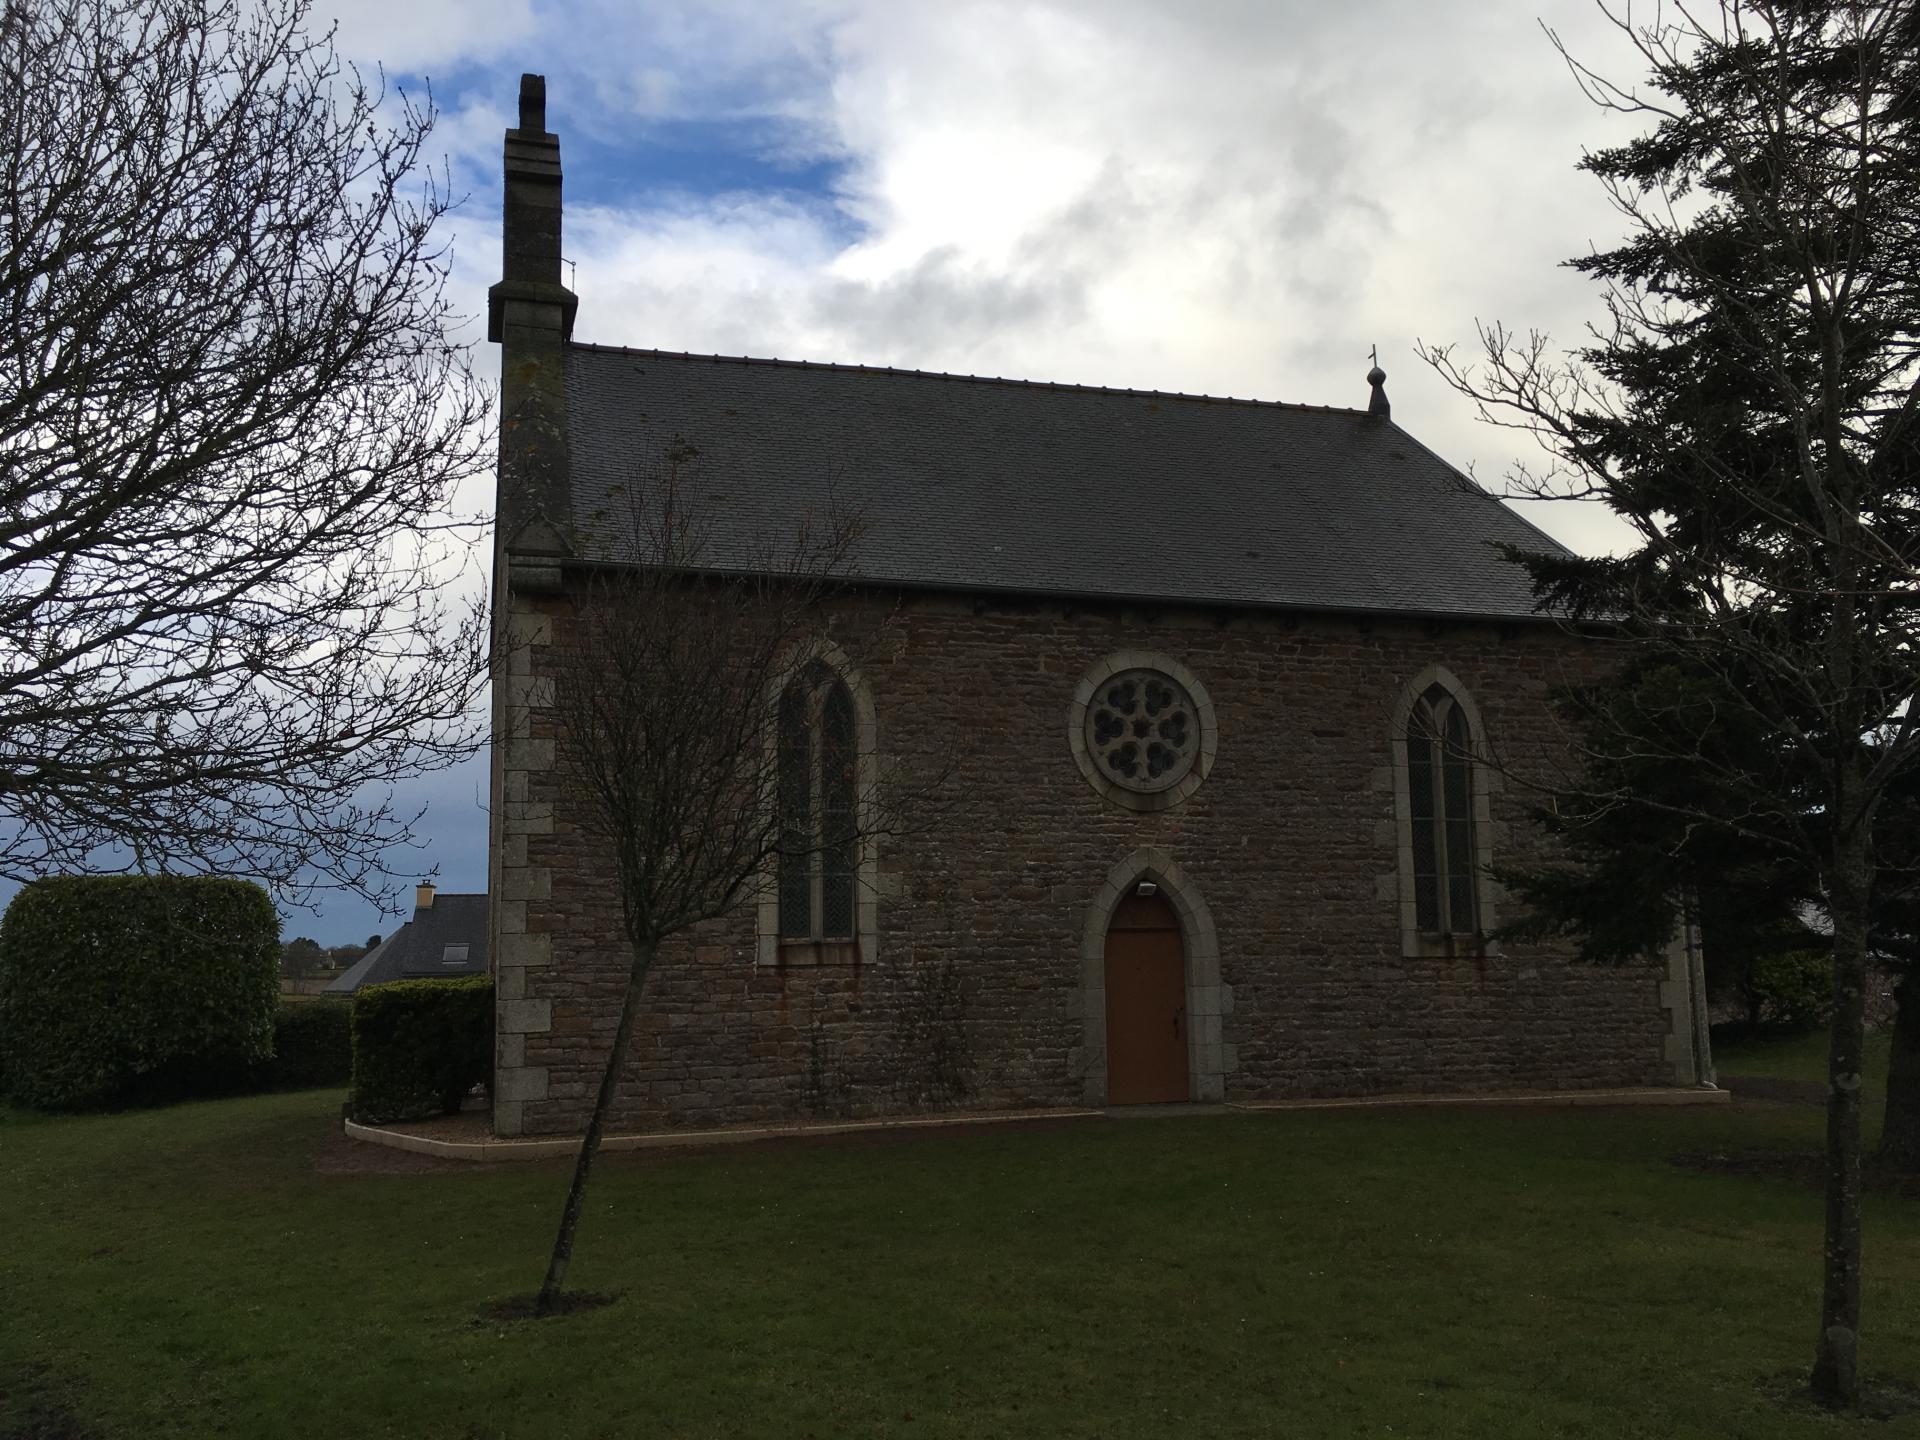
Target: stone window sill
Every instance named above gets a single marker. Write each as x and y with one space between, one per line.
1432 945
818 952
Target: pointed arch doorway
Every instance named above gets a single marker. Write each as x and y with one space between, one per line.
1208 1056
1145 970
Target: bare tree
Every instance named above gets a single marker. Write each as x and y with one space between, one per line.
1750 411
232 414
667 711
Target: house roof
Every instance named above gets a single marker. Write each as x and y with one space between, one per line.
355 975
980 485
418 949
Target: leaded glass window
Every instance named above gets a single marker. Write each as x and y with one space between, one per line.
796 812
819 827
1440 806
837 825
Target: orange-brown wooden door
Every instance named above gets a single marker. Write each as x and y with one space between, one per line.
1146 1004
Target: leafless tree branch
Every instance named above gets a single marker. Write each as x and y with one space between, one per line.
232 416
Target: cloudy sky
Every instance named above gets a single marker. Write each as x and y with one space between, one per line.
1235 197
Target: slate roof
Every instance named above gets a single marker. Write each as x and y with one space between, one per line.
417 950
1015 487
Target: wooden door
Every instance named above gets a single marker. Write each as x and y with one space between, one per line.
1146 1004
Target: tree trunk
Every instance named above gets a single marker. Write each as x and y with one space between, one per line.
1703 1073
1900 1133
1835 1369
590 1142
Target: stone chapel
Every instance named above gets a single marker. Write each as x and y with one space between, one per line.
1236 702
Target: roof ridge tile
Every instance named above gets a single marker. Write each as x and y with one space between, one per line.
845 367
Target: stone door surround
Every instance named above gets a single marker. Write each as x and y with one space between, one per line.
1210 1059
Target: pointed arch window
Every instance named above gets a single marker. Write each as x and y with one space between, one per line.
818 797
1440 805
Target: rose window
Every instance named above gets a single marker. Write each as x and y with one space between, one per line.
1142 730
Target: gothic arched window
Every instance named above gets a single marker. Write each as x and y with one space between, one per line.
819 826
1440 805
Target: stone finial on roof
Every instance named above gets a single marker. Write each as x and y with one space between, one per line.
1377 403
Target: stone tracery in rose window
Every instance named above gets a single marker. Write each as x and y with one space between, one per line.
1142 730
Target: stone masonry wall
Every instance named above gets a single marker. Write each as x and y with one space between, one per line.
1287 850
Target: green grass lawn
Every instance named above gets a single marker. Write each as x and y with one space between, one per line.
1527 1272
1800 1057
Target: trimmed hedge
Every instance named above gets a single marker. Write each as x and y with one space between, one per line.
312 1045
106 980
419 1046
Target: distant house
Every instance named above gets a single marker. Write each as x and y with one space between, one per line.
447 936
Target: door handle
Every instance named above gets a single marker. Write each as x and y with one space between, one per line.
1178 1012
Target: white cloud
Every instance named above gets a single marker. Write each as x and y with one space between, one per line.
421 36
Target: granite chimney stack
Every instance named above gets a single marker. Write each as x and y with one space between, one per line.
530 315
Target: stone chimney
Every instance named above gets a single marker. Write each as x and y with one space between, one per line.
422 898
530 315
